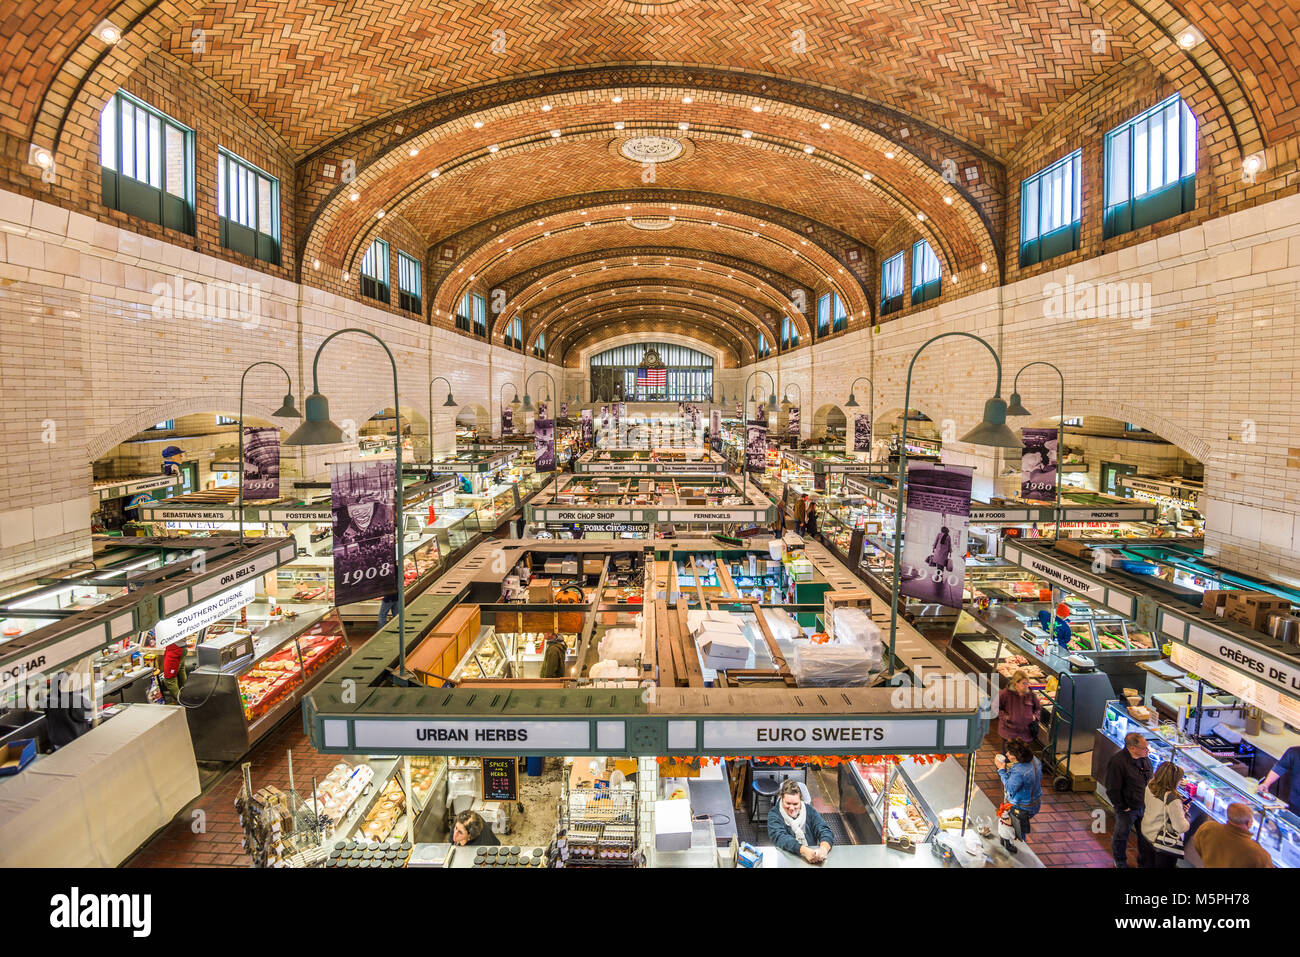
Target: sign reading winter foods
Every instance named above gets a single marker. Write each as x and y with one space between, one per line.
862 433
715 429
588 429
365 544
507 421
794 423
756 445
543 441
1038 465
934 543
261 472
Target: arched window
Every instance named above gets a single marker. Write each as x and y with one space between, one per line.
651 372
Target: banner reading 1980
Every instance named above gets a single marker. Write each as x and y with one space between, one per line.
365 543
1038 465
934 545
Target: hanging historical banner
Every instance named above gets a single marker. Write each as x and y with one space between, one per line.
715 429
756 445
261 466
934 544
862 433
1037 465
588 427
507 421
564 410
543 441
365 543
793 426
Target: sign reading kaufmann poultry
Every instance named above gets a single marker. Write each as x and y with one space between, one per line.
365 543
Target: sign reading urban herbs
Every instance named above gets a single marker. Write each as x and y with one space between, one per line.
1038 465
793 427
862 433
365 542
934 545
756 445
261 464
543 441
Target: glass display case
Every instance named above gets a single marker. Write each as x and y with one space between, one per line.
904 813
873 778
491 656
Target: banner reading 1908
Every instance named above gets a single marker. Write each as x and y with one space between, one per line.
365 542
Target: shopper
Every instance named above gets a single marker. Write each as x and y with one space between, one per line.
1164 822
800 510
174 674
780 521
1288 764
69 713
1126 784
470 830
1022 778
795 827
387 608
1018 710
554 656
810 519
1230 845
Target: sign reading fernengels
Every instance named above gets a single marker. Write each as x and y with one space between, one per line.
823 734
472 737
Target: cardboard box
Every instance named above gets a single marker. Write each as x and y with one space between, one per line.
1212 601
1252 608
592 566
673 825
853 598
1075 547
539 591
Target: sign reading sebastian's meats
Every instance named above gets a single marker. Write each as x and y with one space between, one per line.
365 542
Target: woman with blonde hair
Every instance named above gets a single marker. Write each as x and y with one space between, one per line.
1018 709
1164 822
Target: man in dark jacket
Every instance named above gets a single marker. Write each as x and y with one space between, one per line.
1126 783
553 657
794 825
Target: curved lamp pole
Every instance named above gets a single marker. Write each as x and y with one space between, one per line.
1017 408
771 407
992 432
871 411
287 410
449 404
320 430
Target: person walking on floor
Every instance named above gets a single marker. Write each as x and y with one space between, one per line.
800 510
1022 777
810 519
1018 710
1126 783
1164 820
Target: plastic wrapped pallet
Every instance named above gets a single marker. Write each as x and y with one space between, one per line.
831 665
623 645
781 625
608 668
853 625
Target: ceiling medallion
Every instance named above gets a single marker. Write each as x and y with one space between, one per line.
651 224
653 149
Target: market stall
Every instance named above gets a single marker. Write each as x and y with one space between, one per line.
658 461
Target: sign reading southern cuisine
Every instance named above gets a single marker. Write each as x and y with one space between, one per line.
365 542
543 441
1038 465
261 466
934 544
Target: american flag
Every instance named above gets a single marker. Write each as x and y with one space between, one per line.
651 378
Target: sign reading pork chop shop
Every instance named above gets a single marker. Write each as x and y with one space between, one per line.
472 737
830 734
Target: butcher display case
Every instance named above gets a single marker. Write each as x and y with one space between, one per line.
231 706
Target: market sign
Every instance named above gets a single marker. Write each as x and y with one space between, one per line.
455 737
162 513
279 551
1055 573
618 528
1257 663
18 664
833 735
1235 683
206 613
108 492
297 515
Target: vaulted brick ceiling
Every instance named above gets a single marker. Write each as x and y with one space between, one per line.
903 91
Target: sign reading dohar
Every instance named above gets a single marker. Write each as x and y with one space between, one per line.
473 737
830 734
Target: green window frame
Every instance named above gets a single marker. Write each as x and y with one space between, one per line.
1051 210
840 314
374 272
146 163
789 333
539 346
823 315
927 282
891 284
1150 168
248 208
408 282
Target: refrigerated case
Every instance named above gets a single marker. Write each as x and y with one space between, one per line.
231 707
1209 784
912 799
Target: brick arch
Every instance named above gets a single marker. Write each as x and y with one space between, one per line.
733 351
108 439
1154 422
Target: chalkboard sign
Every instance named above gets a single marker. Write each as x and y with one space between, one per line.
500 779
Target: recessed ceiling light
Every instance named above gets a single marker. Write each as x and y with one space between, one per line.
315 264
984 267
546 107
1252 165
413 152
948 200
555 134
107 32
618 99
825 126
619 125
866 174
757 109
434 173
687 99
954 278
747 134
921 216
379 213
627 207
354 197
493 148
584 212
683 126
889 155
1189 38
478 124
347 276
807 149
